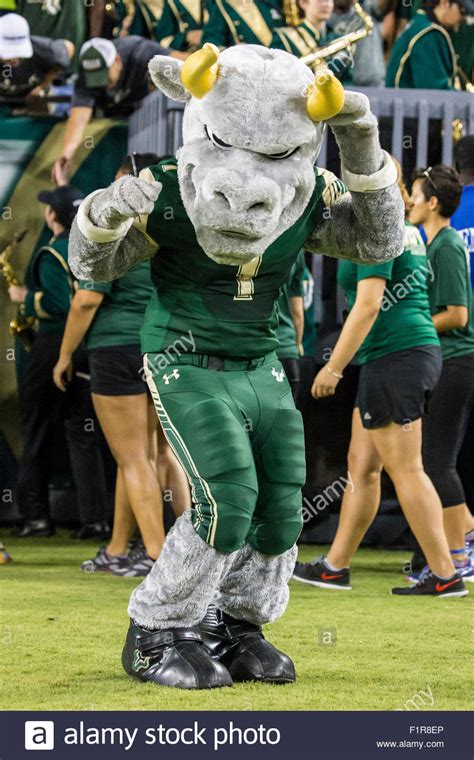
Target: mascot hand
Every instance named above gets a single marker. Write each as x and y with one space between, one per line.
126 198
356 107
131 196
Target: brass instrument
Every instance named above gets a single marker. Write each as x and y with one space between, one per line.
21 327
291 12
342 43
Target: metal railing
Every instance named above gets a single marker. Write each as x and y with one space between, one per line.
156 125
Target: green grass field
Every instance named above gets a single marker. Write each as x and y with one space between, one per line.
62 633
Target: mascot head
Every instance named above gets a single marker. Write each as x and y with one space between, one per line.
252 130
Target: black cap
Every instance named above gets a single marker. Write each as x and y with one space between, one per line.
65 201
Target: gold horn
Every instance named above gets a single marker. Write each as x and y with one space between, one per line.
200 70
325 97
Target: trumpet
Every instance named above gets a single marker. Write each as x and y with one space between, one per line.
342 43
22 327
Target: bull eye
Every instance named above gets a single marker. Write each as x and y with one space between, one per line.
284 154
216 140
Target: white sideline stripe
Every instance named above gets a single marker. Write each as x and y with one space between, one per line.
171 428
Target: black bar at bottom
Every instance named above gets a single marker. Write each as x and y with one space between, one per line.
229 735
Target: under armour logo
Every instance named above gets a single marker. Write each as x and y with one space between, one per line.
167 378
278 375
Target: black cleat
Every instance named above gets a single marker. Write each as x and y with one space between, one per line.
431 585
42 528
174 657
98 530
318 574
243 649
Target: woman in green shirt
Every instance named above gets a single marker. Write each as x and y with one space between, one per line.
109 316
390 327
436 194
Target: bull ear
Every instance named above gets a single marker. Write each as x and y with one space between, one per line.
165 74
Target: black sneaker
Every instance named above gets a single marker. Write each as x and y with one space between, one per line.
431 585
138 565
104 563
98 530
41 528
173 657
317 573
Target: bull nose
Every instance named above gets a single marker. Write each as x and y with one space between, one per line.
235 203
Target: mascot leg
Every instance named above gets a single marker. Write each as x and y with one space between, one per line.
163 643
205 429
255 590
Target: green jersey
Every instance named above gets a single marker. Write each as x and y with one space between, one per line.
229 310
422 57
286 332
179 17
232 22
64 20
451 286
404 320
50 286
120 315
143 16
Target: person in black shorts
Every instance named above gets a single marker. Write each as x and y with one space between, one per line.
435 196
390 326
109 316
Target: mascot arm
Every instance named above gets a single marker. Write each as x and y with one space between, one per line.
108 235
365 225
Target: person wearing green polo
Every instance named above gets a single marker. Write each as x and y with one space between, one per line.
436 193
291 323
232 22
180 26
108 317
390 327
423 56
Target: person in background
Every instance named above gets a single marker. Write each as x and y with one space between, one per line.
390 327
138 17
109 317
181 23
291 323
368 65
236 23
423 56
113 78
309 333
311 33
435 197
463 221
42 407
58 19
28 64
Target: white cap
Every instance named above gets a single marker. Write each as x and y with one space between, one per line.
15 39
105 47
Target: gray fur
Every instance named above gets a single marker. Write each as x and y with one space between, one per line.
182 582
105 262
256 586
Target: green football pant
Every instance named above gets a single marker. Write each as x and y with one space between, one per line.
240 440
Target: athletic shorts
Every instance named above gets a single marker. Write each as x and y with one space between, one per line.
397 387
117 371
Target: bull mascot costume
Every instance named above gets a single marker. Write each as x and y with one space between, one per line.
224 223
